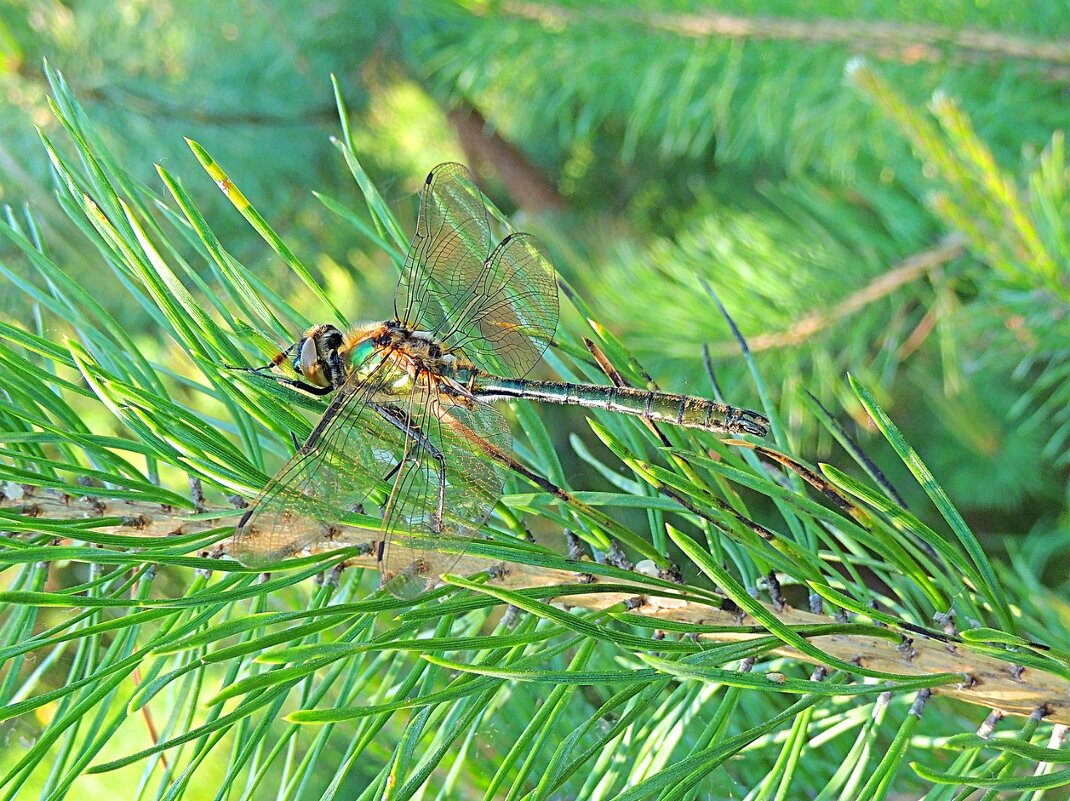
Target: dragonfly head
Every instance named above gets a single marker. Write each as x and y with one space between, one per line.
315 355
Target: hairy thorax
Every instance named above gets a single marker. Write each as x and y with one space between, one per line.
414 356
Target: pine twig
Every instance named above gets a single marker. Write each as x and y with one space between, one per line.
910 269
907 42
988 682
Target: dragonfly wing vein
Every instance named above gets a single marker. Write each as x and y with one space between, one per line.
382 448
500 307
430 523
509 324
446 256
338 468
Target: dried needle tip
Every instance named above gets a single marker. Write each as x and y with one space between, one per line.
817 604
1040 713
776 595
237 501
918 706
196 494
617 557
575 546
987 727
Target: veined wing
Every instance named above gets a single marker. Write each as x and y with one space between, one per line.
384 443
447 252
340 467
465 437
500 307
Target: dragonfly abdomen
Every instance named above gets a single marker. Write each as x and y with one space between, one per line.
681 410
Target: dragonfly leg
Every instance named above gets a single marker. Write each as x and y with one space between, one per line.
392 472
436 524
280 357
401 421
336 373
300 386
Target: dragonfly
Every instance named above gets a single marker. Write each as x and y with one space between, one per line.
413 426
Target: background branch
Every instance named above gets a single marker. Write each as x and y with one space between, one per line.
898 40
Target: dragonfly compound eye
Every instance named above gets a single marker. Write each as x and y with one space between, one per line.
308 359
298 350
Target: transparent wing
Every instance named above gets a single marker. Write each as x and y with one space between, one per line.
500 307
384 444
447 252
467 438
515 312
345 462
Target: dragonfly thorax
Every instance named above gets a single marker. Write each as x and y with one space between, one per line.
417 351
325 358
365 348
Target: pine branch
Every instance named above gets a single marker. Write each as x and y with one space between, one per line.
911 269
906 650
484 148
900 41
